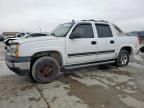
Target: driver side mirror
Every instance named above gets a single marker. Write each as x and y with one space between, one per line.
74 35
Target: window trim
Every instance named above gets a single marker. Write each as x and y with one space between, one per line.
118 30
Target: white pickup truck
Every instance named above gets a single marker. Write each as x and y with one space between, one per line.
70 45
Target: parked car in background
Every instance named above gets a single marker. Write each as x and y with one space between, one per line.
35 35
140 35
18 35
25 35
1 38
70 45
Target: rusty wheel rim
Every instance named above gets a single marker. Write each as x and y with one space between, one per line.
46 71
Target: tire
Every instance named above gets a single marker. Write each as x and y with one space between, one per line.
45 70
122 59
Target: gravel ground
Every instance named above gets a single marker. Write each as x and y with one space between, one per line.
1 51
93 87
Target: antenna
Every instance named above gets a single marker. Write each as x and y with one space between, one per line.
39 29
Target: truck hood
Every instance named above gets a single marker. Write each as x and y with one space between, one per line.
32 39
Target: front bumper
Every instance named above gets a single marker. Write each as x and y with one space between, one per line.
19 65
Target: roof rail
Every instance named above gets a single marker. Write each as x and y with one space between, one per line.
96 20
89 20
102 21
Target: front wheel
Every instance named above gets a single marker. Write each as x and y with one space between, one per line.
45 70
122 59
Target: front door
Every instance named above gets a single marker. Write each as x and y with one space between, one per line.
84 48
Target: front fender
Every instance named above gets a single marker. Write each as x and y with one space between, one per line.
61 51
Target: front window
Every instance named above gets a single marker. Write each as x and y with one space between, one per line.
84 30
62 30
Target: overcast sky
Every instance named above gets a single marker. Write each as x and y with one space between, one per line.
29 15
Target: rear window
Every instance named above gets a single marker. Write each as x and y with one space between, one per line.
103 30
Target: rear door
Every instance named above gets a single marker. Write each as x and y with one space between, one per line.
106 42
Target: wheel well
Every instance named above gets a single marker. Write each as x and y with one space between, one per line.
128 49
53 54
142 49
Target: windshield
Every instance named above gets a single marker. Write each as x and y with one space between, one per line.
20 35
62 30
27 35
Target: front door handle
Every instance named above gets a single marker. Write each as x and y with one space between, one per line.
112 42
93 42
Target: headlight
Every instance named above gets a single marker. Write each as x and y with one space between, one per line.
14 50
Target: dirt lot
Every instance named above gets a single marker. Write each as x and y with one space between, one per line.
93 87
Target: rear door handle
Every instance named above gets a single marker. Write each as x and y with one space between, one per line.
93 42
112 42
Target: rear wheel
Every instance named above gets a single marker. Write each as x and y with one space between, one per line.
45 70
122 59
